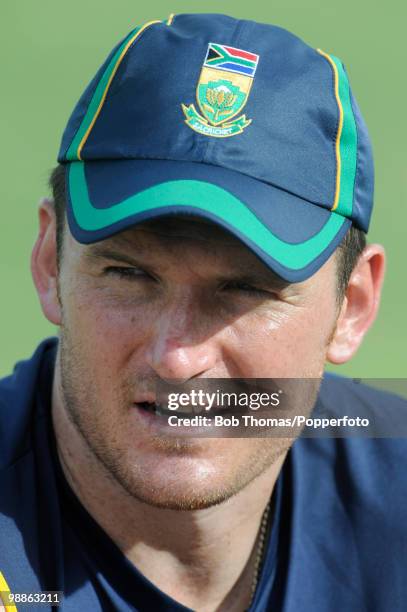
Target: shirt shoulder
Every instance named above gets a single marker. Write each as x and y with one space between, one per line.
345 505
367 464
376 449
18 393
384 413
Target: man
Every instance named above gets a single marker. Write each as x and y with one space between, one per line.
190 240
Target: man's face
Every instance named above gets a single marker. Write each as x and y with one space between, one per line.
180 300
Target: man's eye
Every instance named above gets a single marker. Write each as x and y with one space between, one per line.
126 272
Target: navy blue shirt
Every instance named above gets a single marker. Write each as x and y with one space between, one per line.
338 540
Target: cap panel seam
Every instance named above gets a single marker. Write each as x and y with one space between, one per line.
234 41
338 126
357 156
347 144
125 51
111 55
111 95
138 34
346 140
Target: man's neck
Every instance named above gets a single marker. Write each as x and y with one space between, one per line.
204 559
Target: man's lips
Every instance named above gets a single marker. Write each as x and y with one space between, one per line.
154 408
161 409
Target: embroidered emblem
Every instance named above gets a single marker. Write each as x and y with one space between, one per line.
223 89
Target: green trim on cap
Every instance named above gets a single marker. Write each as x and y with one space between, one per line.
348 144
346 141
72 153
205 197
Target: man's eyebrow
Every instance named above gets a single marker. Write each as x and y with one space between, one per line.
266 279
102 252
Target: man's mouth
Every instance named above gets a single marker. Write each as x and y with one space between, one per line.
160 409
156 408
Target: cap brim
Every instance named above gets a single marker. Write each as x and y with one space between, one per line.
290 235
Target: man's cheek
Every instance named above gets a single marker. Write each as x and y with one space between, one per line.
106 319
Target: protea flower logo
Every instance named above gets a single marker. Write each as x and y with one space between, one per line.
219 100
223 89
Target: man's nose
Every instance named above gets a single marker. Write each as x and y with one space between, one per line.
180 345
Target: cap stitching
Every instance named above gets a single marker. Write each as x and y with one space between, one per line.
108 59
339 126
116 68
357 162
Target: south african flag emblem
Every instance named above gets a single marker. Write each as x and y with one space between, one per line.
222 57
224 85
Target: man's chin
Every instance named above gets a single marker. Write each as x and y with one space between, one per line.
175 480
181 501
184 477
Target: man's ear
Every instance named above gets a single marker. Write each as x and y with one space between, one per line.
360 304
44 268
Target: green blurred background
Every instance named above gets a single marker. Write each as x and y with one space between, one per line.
50 50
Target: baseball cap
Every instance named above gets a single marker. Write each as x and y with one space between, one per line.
236 122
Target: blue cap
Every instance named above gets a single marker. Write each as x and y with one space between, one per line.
233 121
